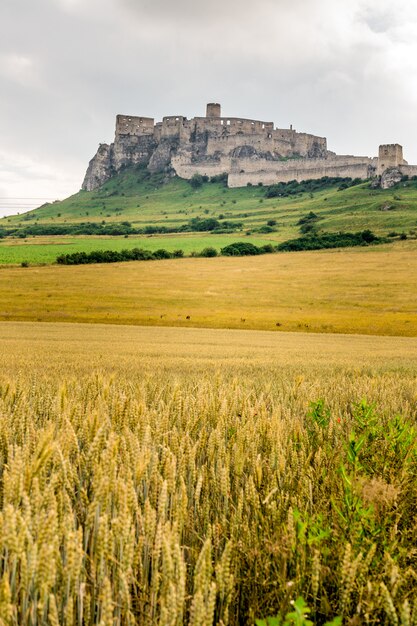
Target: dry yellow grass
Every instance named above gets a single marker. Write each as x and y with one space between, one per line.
183 476
370 291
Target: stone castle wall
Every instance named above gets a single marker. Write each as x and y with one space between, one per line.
408 170
133 125
269 173
277 144
185 169
246 170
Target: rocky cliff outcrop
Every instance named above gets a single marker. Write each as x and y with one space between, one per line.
100 168
162 156
132 150
109 159
391 177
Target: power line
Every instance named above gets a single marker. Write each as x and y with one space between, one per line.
17 203
27 197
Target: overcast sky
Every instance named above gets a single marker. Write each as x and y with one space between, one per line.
343 69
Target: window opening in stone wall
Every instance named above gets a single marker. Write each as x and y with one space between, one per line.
228 122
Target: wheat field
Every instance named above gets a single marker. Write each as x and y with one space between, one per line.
187 476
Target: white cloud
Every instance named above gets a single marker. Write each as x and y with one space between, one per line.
18 68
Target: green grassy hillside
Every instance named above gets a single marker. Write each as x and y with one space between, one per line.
145 200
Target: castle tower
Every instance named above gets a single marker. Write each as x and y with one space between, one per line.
390 155
213 110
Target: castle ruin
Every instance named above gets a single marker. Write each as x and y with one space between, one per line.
249 151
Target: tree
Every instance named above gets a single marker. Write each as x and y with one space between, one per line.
196 181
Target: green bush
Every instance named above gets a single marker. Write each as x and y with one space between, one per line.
196 181
331 240
267 248
111 256
220 178
265 229
201 225
162 254
308 223
208 252
308 186
310 217
241 248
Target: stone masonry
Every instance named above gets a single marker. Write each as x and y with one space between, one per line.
249 151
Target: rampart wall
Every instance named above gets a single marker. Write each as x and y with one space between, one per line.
231 125
185 169
133 125
275 143
245 171
408 170
172 125
228 143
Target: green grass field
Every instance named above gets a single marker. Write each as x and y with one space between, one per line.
39 250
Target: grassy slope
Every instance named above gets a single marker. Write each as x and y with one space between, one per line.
144 201
370 291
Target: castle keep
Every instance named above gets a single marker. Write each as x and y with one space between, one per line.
249 151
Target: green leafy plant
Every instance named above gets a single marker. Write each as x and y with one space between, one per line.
299 616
